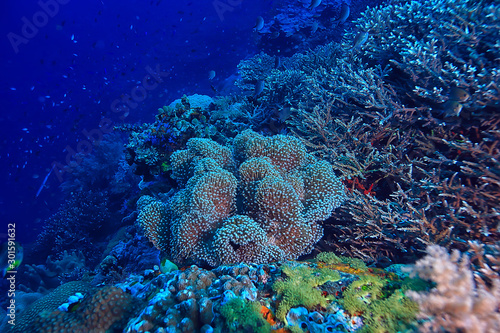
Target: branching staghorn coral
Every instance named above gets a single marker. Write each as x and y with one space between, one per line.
467 182
267 211
439 45
253 70
414 179
441 188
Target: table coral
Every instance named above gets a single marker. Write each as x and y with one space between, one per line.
268 210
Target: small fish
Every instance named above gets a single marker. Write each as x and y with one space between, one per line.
284 114
314 4
277 62
314 27
459 94
259 87
11 256
360 39
214 89
451 109
345 10
275 34
259 23
211 75
44 182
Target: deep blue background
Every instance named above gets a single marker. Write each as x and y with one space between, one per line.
55 87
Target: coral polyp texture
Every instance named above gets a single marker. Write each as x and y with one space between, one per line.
96 313
265 204
439 45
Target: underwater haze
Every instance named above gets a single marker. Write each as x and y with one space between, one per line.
62 77
250 166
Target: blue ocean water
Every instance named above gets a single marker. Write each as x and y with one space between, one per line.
369 150
62 79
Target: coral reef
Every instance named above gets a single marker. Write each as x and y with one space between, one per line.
439 45
243 315
245 297
420 163
78 226
461 300
103 170
129 256
380 314
269 210
388 144
41 278
25 322
284 297
105 310
150 145
299 288
185 300
295 27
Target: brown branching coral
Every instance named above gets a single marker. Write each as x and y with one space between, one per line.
441 187
417 173
270 210
469 189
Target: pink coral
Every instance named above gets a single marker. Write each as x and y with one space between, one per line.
458 303
151 218
267 210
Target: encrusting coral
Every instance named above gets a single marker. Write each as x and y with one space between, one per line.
99 312
267 211
47 304
299 288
